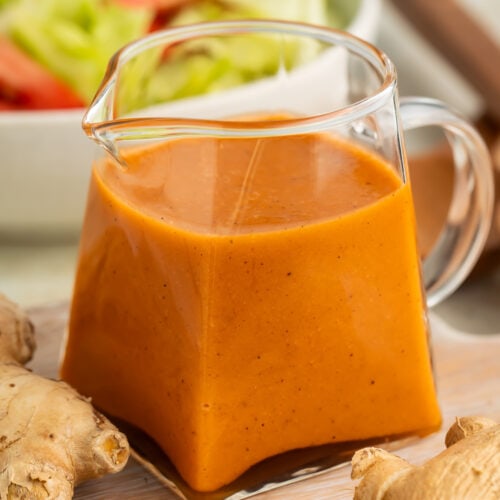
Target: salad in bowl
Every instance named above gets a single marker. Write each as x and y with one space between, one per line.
53 55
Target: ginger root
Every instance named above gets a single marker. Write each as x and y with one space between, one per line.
51 438
468 468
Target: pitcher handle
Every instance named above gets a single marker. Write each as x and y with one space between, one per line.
470 213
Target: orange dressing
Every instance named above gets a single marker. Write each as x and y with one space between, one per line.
233 324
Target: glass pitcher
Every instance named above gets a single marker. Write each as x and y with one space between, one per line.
249 281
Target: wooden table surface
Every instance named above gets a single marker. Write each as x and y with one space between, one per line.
468 379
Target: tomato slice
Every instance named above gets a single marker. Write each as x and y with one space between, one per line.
25 84
154 4
163 10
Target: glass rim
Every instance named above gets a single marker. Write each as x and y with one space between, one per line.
377 59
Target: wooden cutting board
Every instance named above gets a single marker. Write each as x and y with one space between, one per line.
468 378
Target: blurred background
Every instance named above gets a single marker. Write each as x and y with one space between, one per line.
45 157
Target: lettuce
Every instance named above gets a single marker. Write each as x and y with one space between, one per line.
73 39
213 64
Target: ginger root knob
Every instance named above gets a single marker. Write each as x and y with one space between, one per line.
466 426
468 468
51 438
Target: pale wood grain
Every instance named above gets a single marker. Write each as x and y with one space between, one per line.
468 378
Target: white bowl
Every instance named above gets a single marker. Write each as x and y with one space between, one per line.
46 159
45 165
